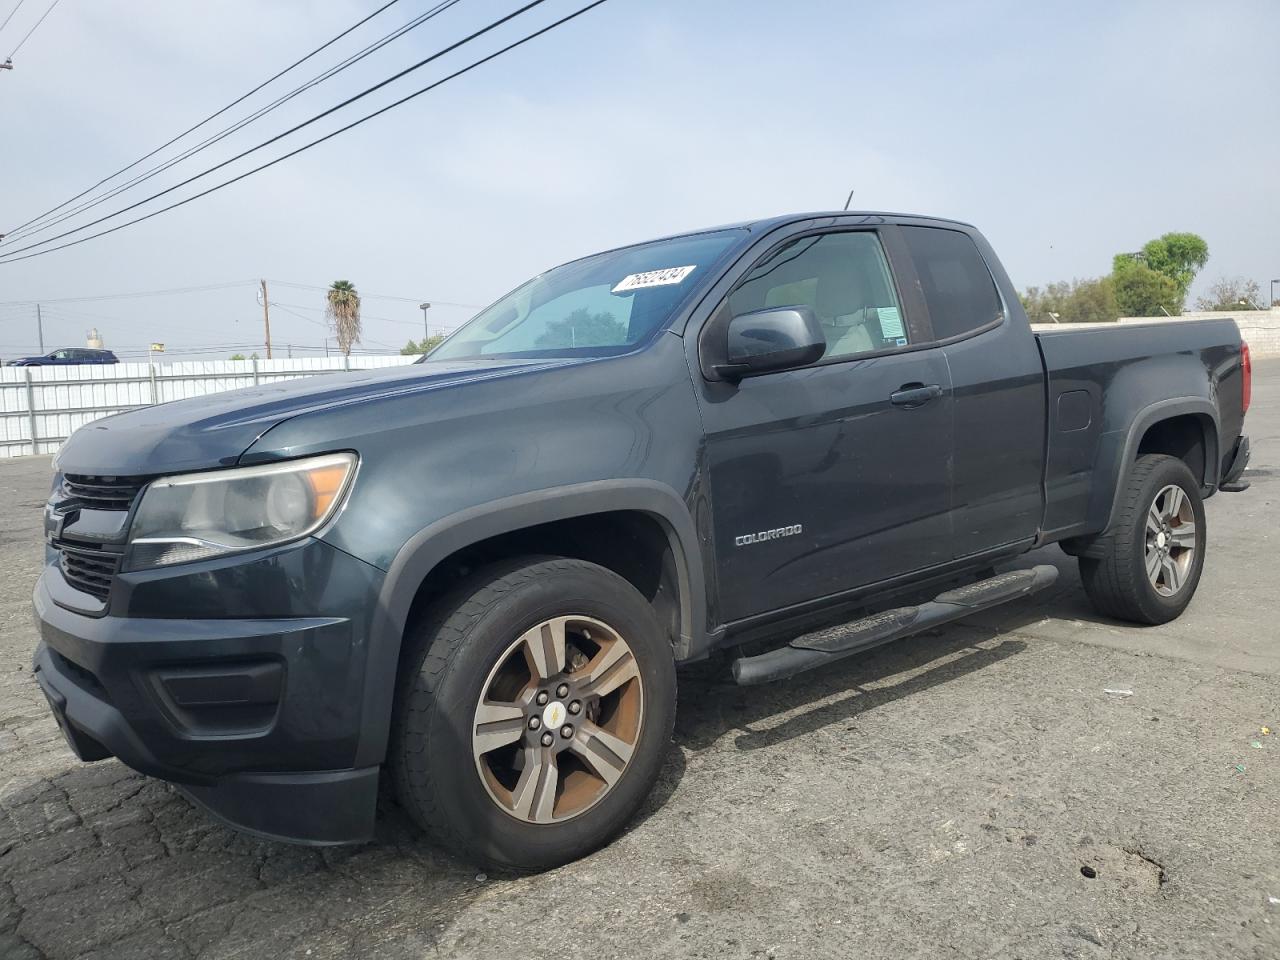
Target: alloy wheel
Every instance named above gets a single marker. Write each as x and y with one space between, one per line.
558 719
1170 540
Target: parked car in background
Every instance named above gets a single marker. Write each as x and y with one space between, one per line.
66 355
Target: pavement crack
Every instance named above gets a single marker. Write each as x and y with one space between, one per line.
1161 876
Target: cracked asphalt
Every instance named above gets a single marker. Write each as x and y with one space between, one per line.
972 792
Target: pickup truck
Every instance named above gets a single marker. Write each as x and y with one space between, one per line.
475 575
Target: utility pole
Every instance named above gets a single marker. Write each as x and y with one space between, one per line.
426 327
266 317
40 327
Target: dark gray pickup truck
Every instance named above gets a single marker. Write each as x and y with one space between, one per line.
477 574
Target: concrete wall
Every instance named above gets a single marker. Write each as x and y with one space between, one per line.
1259 328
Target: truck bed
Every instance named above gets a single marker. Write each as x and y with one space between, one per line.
1190 370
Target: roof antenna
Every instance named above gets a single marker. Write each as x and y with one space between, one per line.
848 200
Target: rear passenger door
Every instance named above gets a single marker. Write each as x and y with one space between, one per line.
835 475
998 382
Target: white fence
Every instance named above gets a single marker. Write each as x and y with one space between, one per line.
41 406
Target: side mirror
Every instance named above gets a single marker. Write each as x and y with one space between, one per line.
776 338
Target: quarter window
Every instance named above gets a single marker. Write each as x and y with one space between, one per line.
957 285
844 278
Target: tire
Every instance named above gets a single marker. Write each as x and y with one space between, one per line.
1115 572
470 655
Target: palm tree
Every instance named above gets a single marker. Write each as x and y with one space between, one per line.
343 311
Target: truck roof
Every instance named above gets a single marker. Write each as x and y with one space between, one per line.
768 223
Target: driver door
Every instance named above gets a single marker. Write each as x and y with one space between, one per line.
835 475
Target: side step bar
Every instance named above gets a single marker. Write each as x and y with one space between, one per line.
835 643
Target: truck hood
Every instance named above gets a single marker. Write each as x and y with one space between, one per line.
214 430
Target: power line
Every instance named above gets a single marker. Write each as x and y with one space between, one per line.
308 146
363 338
216 113
32 30
300 306
17 7
365 316
63 312
295 313
132 296
385 296
53 302
435 56
46 220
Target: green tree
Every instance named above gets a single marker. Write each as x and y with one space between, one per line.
343 311
1178 256
584 329
425 345
1080 301
1232 293
1143 292
237 356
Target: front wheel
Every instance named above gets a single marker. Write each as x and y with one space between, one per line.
1147 566
535 712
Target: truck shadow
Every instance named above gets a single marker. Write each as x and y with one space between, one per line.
712 705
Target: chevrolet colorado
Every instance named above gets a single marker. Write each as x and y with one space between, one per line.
476 575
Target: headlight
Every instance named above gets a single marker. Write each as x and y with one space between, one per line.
202 515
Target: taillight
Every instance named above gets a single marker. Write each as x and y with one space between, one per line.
1246 367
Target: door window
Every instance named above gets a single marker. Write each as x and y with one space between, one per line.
957 285
844 278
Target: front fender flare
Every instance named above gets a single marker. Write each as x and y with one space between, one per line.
431 545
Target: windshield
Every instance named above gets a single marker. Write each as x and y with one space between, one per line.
597 307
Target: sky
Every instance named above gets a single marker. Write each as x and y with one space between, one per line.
1066 131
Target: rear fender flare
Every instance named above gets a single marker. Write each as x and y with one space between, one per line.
1125 454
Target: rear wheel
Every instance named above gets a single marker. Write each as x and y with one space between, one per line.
1147 566
534 714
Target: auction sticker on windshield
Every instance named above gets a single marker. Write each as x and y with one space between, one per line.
654 278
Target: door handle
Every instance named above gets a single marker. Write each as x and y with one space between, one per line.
912 395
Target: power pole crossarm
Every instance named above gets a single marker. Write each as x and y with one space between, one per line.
266 318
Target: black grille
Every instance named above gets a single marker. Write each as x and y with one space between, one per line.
101 493
87 569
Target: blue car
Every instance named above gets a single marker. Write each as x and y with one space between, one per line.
66 355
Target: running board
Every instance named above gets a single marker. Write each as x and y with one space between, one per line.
834 643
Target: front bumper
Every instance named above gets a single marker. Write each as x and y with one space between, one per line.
260 720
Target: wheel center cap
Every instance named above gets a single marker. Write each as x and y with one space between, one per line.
1160 540
554 715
